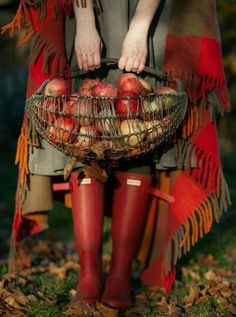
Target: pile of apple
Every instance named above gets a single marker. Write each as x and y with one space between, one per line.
120 115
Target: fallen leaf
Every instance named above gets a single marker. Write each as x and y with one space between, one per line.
79 308
141 309
232 309
98 148
210 276
224 285
12 302
4 293
69 167
188 272
222 302
94 170
60 272
106 311
20 297
194 292
226 293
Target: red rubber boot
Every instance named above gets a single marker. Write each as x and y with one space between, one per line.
129 215
88 214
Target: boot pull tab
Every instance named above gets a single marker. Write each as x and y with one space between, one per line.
160 194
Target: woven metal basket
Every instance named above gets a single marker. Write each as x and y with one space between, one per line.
101 133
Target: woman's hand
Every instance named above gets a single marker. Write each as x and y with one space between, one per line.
88 44
134 51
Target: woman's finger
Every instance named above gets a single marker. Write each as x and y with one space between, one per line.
97 58
91 61
79 61
84 58
136 63
129 64
141 64
122 62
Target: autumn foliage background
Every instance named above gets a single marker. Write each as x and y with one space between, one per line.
213 258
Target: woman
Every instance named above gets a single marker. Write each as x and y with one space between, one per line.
182 41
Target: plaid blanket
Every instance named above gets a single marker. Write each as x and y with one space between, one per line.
192 54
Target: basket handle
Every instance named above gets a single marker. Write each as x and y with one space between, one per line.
107 60
111 60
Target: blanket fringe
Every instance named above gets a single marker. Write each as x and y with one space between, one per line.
195 226
199 86
23 20
28 136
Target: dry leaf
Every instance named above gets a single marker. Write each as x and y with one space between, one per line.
226 293
232 309
71 265
211 276
194 292
79 308
224 285
12 302
94 170
141 309
4 293
171 309
23 260
191 273
222 302
106 311
98 148
20 297
9 311
69 167
60 272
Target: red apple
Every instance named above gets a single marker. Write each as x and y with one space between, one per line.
81 107
87 87
154 129
165 90
133 131
127 103
146 87
129 82
85 110
57 86
157 128
150 107
166 95
63 130
87 137
104 89
70 104
48 110
106 122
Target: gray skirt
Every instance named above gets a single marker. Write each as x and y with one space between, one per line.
113 22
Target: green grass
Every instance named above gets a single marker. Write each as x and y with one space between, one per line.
209 308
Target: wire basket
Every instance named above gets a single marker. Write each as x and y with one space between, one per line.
91 127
